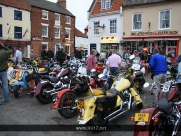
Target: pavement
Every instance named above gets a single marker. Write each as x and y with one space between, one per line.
24 112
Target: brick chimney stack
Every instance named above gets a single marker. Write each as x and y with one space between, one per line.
62 3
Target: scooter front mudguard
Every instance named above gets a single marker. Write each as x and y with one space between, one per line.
147 132
58 96
21 83
39 86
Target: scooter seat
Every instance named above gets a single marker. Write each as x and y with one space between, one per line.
44 77
54 79
164 105
112 91
45 72
138 74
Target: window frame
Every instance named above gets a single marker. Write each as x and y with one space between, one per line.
96 29
21 35
57 22
159 23
45 11
114 27
16 11
104 5
44 43
69 33
55 34
45 25
1 30
67 45
67 19
137 21
1 12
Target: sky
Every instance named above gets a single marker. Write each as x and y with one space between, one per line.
79 9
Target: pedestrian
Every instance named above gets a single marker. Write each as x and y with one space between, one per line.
60 55
50 54
44 56
5 52
91 63
158 68
78 53
17 56
31 55
124 53
178 60
145 57
141 55
127 55
135 53
102 56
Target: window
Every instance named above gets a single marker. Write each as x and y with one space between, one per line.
68 20
105 4
1 31
44 14
0 11
17 15
57 19
67 49
96 29
137 21
165 19
44 45
44 30
67 33
113 26
18 32
57 32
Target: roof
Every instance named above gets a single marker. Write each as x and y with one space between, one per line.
86 28
95 7
50 6
140 2
78 33
15 3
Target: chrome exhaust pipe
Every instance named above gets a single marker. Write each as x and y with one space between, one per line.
118 115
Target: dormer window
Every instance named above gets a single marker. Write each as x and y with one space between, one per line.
44 14
105 4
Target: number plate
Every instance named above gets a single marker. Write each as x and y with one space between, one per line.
141 117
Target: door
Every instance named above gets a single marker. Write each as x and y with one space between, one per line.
92 46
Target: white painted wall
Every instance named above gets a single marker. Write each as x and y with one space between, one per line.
81 42
104 19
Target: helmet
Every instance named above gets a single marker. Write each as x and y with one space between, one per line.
60 48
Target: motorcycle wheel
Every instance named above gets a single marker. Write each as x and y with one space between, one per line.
16 91
67 112
97 120
140 105
44 98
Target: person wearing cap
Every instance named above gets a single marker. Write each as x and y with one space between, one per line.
178 60
60 55
5 52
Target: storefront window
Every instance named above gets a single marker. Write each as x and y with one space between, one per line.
23 49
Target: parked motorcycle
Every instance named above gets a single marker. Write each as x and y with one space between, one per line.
163 117
98 107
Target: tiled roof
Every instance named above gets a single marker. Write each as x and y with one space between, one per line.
86 28
50 6
78 33
96 7
140 2
15 3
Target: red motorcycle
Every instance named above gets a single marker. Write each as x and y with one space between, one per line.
163 117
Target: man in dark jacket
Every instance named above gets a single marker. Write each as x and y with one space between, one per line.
5 53
60 55
78 54
44 56
50 53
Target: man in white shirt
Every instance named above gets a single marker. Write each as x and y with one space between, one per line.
102 56
17 56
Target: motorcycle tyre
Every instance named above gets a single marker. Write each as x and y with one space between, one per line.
16 91
40 96
140 105
63 112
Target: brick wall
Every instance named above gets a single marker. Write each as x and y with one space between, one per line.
36 31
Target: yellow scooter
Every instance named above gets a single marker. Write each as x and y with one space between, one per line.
98 107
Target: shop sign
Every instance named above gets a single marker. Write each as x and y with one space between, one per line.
155 33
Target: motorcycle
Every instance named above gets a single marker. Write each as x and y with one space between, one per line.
98 107
163 117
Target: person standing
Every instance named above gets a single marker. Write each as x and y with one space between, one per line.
178 60
43 56
17 56
158 68
50 54
102 56
91 63
127 55
31 55
78 54
5 52
60 56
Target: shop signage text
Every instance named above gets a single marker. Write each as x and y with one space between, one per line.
155 33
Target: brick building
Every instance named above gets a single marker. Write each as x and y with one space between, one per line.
51 24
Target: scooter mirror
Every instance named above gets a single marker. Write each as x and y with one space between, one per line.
146 85
101 75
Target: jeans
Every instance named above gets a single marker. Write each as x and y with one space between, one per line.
113 70
3 78
88 73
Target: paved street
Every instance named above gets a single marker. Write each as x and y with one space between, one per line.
28 111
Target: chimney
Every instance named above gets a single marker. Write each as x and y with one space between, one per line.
62 3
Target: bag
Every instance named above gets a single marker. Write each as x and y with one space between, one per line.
82 70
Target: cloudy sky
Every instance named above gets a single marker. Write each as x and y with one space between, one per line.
79 9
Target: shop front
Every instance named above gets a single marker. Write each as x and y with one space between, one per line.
165 41
24 46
